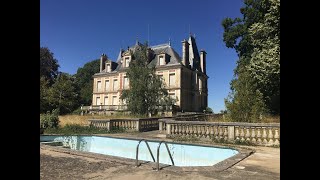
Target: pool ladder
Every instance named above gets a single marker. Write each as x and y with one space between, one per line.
137 153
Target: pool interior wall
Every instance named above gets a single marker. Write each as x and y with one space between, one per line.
182 154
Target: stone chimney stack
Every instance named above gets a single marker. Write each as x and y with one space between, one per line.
185 53
103 60
203 55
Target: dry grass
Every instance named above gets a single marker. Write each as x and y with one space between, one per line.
271 119
267 119
217 119
73 119
83 120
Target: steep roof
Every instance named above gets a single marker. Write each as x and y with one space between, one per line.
194 57
174 57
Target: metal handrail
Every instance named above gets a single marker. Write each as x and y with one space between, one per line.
137 152
168 153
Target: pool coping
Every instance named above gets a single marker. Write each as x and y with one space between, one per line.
244 152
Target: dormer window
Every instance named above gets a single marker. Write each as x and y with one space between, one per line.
127 62
162 60
108 68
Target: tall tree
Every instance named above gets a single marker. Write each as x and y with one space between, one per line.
44 103
48 65
264 64
146 90
62 94
258 64
84 81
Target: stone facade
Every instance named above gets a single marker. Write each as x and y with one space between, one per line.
185 78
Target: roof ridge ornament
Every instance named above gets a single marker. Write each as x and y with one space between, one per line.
137 40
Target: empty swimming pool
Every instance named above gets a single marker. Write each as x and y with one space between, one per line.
182 154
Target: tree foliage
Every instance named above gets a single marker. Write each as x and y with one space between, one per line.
256 39
44 103
48 65
84 81
146 90
62 94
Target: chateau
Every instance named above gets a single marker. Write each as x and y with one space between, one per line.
185 78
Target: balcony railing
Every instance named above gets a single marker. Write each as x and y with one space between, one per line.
117 108
105 108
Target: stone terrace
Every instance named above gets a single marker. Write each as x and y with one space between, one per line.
263 164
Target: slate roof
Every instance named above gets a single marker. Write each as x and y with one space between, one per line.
173 56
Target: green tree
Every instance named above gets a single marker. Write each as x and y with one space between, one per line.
84 81
44 103
62 94
48 65
146 90
208 110
264 65
246 104
256 46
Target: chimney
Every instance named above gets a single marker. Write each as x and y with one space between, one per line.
103 59
203 61
185 53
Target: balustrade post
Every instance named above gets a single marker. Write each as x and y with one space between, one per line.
183 128
237 133
207 131
225 133
187 130
242 133
160 126
168 128
253 134
231 133
259 135
270 137
264 135
276 137
138 125
220 132
248 134
216 132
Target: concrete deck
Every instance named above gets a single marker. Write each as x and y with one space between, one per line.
263 164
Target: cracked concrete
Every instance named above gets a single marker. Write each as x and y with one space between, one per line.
263 164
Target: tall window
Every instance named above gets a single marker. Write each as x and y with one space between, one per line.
106 102
114 100
125 82
98 101
172 80
107 85
115 85
161 61
127 62
99 86
108 68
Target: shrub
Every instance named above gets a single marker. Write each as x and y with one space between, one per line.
77 111
49 120
208 110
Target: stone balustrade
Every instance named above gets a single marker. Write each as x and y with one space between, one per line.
137 124
266 134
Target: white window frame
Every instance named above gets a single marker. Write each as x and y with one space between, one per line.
99 87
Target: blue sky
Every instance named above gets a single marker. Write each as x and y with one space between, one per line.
78 31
